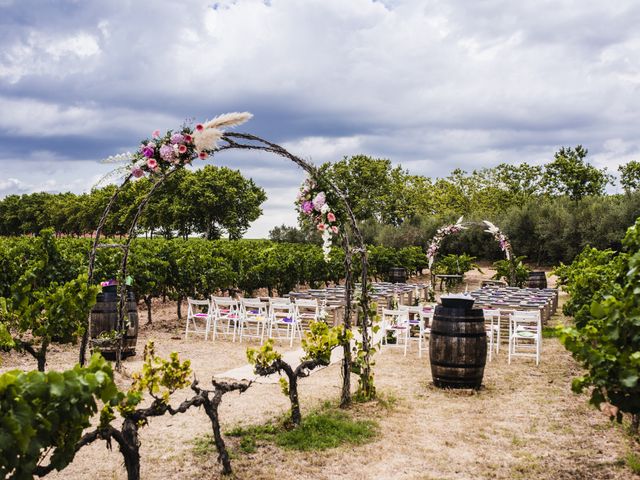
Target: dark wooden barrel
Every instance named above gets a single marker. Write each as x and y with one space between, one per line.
537 280
104 318
398 275
457 347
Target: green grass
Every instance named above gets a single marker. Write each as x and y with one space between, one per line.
320 430
203 446
633 462
328 429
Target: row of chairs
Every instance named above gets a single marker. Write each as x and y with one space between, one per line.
525 333
277 318
407 324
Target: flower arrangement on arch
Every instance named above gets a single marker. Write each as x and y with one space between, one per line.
441 233
500 237
178 148
312 203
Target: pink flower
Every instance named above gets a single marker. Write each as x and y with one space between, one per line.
156 134
137 172
182 149
188 138
148 151
199 127
334 229
202 155
307 207
319 200
331 217
152 164
322 227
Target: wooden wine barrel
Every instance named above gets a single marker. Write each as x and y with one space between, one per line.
457 347
104 318
537 280
398 275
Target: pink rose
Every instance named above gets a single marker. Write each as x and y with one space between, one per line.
322 227
152 164
188 138
334 229
199 127
202 155
137 172
182 149
331 217
156 134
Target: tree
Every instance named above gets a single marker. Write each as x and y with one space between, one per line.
630 176
286 234
317 343
45 413
607 339
43 307
569 174
374 188
220 199
520 182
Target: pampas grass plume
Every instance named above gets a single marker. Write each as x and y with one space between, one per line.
228 120
206 139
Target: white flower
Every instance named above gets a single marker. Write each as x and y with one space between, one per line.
324 208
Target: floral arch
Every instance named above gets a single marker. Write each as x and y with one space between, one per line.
443 232
162 155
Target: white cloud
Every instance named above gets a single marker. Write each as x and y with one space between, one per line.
42 54
433 85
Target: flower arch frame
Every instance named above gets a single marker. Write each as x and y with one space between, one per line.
163 155
445 231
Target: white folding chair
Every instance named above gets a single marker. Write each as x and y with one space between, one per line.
416 320
225 310
396 322
525 335
428 311
198 317
492 326
253 312
306 311
281 314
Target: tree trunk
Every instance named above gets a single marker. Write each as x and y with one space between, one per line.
130 449
635 423
296 417
147 302
180 308
42 356
211 409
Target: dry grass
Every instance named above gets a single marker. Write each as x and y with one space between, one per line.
524 423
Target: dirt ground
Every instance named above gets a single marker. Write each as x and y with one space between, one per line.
524 423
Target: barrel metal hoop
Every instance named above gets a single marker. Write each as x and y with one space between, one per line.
460 319
459 334
456 365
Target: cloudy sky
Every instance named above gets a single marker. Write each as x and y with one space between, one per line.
432 85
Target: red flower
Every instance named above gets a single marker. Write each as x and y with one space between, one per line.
199 127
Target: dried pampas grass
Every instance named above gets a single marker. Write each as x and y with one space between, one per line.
207 139
228 120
